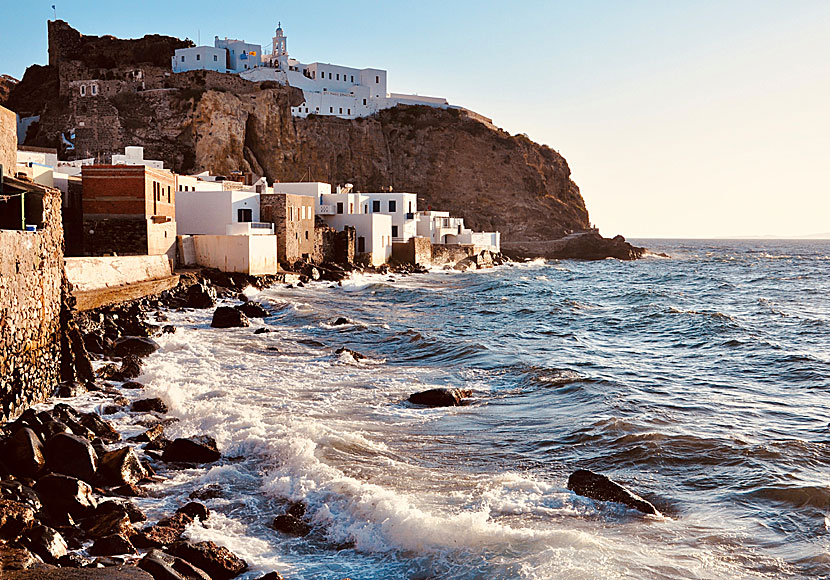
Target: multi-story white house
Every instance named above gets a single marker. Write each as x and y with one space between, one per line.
440 228
227 55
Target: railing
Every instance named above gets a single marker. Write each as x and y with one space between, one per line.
325 210
249 229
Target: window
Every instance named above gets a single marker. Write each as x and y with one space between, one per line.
341 110
394 231
169 198
393 206
410 207
361 245
329 76
377 80
182 58
215 58
339 207
198 57
83 90
244 215
351 208
331 109
338 76
364 102
349 111
291 214
375 206
306 234
352 78
94 89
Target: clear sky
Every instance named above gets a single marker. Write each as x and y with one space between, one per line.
678 118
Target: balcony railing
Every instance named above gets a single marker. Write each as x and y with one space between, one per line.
325 210
249 229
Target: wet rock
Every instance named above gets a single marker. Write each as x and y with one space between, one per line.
340 321
219 562
291 522
71 455
15 518
129 490
121 467
355 355
157 536
139 346
150 434
155 405
273 576
16 491
108 523
69 389
441 397
112 546
46 542
73 560
158 444
262 330
189 571
598 486
130 368
210 491
121 507
252 310
132 385
62 493
23 453
200 296
13 556
168 329
159 565
199 449
194 510
100 427
227 317
112 409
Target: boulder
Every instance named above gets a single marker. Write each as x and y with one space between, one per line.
112 546
341 321
252 310
199 449
100 427
121 467
355 355
69 389
53 428
274 576
291 522
219 562
263 330
598 486
441 397
46 542
159 565
15 518
195 510
121 506
227 317
13 556
71 455
139 346
65 494
16 491
132 385
130 368
23 453
154 405
108 523
149 435
157 536
200 296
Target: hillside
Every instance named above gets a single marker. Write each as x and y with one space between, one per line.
209 121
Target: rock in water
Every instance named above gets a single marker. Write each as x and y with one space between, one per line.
442 397
135 345
200 296
154 405
61 493
200 449
227 317
219 562
597 486
121 467
252 310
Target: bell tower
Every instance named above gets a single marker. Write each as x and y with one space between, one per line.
280 45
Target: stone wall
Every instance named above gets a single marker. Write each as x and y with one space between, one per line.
415 251
115 236
451 254
295 234
8 141
31 270
333 246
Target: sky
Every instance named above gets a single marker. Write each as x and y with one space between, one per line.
682 119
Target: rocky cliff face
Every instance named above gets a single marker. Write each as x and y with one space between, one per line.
208 121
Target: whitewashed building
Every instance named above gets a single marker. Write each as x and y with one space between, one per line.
441 228
333 89
135 156
227 55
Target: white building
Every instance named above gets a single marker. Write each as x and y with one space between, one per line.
333 89
227 55
135 156
441 228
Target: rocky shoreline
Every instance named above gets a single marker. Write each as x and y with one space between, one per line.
68 478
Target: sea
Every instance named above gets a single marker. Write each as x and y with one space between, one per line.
700 381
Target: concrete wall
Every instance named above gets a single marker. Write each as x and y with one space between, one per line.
105 272
30 307
244 254
8 141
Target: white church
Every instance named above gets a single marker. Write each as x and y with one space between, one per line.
329 89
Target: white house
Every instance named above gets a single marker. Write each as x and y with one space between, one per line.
401 207
242 55
135 156
226 55
333 89
440 228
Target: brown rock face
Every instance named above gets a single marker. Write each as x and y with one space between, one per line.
202 120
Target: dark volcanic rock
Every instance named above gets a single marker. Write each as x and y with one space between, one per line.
134 345
61 493
157 536
112 546
440 397
155 405
291 525
588 245
15 517
149 435
46 542
132 385
130 368
252 310
69 389
121 467
597 486
100 427
13 556
71 455
340 321
159 565
23 453
121 507
101 525
16 491
355 355
227 317
262 330
200 296
199 449
195 510
219 562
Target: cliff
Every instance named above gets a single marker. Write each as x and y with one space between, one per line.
203 120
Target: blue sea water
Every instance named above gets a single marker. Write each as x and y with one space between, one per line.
700 381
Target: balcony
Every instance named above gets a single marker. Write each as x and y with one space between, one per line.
325 210
250 229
